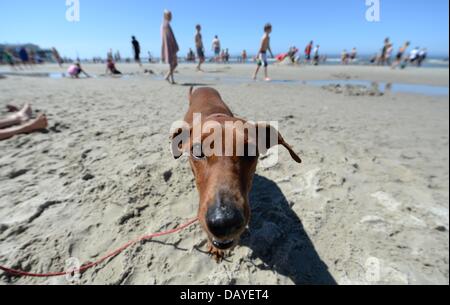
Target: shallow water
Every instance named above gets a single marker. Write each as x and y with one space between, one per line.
205 80
52 75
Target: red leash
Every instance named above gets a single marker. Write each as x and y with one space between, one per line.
102 259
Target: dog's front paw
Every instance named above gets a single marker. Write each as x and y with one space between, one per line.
218 255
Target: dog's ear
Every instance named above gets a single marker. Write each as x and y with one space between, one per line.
180 139
269 137
191 91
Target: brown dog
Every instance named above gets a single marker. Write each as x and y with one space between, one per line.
223 180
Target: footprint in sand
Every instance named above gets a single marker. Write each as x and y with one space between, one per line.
312 182
387 201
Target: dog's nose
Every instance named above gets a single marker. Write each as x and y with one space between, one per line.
224 220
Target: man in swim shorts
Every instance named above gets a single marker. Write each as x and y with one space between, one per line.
199 46
262 54
216 48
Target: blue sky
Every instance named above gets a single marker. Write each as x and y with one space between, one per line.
334 24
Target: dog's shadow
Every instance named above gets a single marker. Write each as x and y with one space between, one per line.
277 237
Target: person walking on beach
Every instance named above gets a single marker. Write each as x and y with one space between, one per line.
136 50
24 57
117 57
388 55
8 58
414 56
216 47
316 58
400 55
109 55
382 59
200 47
353 55
169 46
244 56
150 57
422 57
262 54
344 57
57 57
308 51
190 56
226 56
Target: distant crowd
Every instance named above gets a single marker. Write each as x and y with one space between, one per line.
24 58
415 57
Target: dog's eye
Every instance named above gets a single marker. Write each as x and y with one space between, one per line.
197 152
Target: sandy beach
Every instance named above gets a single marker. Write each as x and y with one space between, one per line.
369 204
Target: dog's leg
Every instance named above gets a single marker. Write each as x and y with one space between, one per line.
217 254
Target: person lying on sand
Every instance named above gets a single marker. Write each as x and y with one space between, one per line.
75 70
21 122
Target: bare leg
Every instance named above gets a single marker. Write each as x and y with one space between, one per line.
169 77
22 116
266 73
256 72
37 124
172 71
199 67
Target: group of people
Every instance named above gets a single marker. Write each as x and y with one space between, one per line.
416 57
23 57
312 53
170 48
21 121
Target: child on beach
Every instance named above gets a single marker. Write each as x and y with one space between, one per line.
262 54
111 68
199 46
75 70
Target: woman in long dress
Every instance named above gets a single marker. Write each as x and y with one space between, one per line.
169 46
